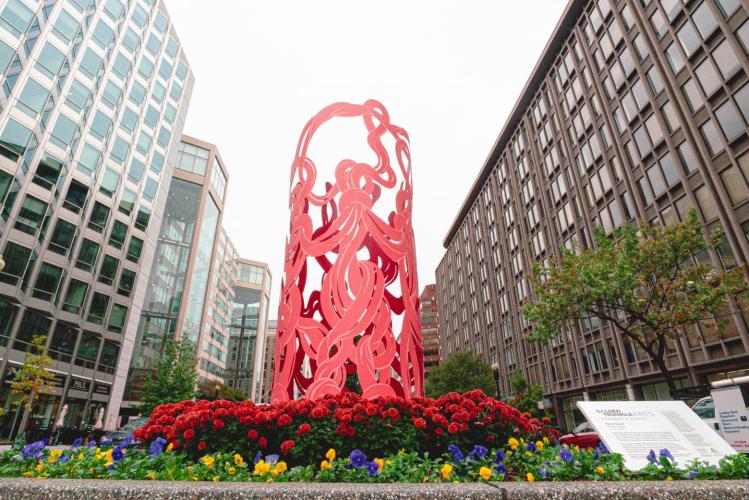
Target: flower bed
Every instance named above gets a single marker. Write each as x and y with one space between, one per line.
468 438
300 429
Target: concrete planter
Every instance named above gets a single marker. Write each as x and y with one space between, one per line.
161 490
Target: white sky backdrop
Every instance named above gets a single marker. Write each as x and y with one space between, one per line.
448 72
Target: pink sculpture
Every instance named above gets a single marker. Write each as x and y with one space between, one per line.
368 267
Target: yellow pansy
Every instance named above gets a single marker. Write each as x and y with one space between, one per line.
55 453
40 468
527 454
238 460
669 478
599 470
208 461
170 447
546 440
485 473
446 470
280 468
151 475
530 477
380 463
539 445
28 474
261 468
52 459
330 455
216 479
80 456
513 443
388 462
231 471
195 478
325 465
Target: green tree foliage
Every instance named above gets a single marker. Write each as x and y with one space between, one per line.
175 376
34 377
207 390
461 372
526 395
645 281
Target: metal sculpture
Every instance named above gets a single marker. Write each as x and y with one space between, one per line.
368 267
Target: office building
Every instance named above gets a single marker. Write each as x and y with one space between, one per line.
249 315
636 110
430 332
94 96
268 359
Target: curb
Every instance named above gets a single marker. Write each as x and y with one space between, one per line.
22 488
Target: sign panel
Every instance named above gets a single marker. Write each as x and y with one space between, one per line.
633 428
80 384
102 389
731 410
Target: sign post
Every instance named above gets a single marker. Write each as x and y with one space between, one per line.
633 428
733 415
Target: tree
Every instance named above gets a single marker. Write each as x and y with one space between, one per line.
649 283
32 379
526 395
175 376
461 372
207 390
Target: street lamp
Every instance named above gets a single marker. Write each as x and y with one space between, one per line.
495 372
215 395
2 263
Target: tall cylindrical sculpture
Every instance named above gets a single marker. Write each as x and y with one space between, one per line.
363 319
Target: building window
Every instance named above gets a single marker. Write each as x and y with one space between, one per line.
16 258
87 255
192 158
127 281
108 269
30 216
14 139
98 309
118 234
134 249
47 282
62 237
98 219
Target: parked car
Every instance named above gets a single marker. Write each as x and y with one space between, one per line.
584 436
705 409
120 434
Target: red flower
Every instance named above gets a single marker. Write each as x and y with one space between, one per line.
201 445
439 431
452 428
419 423
262 442
284 420
303 429
188 434
252 434
218 425
286 446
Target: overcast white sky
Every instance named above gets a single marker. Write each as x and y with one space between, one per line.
448 72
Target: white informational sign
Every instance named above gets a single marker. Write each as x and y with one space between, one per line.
633 428
733 416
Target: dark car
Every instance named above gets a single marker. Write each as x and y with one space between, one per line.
120 434
583 436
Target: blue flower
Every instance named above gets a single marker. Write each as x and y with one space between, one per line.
258 458
358 458
530 447
664 453
92 443
501 469
499 456
651 457
117 453
34 450
601 448
128 440
457 454
106 441
478 451
543 473
372 468
157 447
64 458
271 460
76 444
565 455
692 474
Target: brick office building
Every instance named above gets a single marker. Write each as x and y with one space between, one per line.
636 109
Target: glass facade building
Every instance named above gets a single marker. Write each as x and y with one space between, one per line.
199 288
249 317
636 110
93 97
